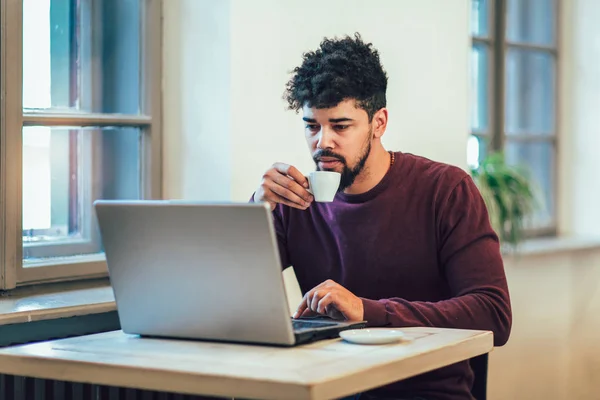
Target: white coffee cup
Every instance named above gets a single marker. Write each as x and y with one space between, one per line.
324 185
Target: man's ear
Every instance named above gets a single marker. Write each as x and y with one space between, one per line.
380 119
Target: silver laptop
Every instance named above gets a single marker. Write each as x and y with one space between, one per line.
201 271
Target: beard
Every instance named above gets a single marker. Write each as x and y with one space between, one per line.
348 174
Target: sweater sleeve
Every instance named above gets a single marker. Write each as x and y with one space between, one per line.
280 232
470 259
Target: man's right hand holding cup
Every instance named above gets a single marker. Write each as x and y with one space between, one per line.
284 184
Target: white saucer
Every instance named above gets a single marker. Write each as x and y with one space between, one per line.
373 336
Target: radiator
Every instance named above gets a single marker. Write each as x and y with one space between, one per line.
22 388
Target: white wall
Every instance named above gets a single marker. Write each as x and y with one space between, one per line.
226 63
196 94
579 97
553 352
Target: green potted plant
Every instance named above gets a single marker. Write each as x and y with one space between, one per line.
509 195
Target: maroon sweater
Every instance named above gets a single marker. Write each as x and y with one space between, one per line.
418 249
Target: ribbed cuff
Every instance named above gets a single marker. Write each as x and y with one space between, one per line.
375 312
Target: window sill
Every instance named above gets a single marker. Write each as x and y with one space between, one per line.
553 245
57 301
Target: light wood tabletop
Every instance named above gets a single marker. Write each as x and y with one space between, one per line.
321 370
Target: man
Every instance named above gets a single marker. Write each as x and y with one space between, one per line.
406 242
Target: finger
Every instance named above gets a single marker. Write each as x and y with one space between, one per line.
293 172
315 298
324 303
263 198
328 305
293 186
301 308
310 295
333 313
298 176
290 184
288 194
304 310
275 198
308 313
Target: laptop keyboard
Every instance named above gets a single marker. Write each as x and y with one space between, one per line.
303 324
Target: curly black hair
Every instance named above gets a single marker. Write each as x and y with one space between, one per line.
341 69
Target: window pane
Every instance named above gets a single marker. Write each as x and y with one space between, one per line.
64 170
531 21
538 160
479 87
530 92
476 151
82 55
480 17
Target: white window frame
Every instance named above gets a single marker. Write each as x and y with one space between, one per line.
13 273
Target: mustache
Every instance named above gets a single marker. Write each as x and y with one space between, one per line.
328 153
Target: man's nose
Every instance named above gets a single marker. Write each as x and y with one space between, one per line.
326 139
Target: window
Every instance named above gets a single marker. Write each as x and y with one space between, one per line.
514 86
80 122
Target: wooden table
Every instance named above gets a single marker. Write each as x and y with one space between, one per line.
322 370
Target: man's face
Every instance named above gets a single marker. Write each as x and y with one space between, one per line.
339 139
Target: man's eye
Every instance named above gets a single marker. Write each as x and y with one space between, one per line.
341 127
312 127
